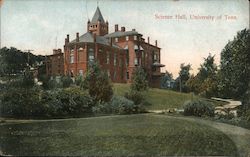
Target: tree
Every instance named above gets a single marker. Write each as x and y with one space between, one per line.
98 84
166 80
14 61
234 71
184 75
205 82
139 80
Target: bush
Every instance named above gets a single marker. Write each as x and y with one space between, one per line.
139 80
198 108
98 84
31 103
66 81
78 80
20 102
118 105
67 102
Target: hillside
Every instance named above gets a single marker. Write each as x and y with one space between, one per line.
161 98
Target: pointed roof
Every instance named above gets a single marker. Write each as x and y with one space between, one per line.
97 16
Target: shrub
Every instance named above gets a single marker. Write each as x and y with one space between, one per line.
198 108
98 84
66 81
31 103
139 80
20 102
139 100
78 80
117 105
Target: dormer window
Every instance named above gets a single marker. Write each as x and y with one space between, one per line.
127 37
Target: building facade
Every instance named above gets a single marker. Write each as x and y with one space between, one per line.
55 63
118 53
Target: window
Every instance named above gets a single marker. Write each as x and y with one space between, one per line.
114 75
127 75
136 61
108 56
127 38
155 57
71 58
80 51
91 56
127 58
135 37
108 72
81 72
116 40
114 58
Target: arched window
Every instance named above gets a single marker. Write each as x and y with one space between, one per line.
72 56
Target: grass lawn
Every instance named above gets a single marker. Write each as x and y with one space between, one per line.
124 135
162 99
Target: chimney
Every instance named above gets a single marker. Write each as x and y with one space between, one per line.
77 37
66 41
123 29
116 27
156 43
133 29
148 40
54 51
68 37
94 37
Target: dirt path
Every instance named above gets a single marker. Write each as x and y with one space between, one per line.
240 136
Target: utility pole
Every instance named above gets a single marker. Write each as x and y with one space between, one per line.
28 51
180 84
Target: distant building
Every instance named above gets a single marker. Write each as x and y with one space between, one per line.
55 63
118 53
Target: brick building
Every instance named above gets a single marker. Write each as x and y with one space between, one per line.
118 53
55 63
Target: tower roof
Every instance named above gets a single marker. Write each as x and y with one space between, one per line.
97 16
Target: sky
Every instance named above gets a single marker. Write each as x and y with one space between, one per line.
186 30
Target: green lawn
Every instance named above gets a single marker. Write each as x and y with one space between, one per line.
161 98
124 135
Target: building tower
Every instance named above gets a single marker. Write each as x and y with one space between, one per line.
97 25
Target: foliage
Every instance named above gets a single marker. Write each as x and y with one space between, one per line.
234 71
45 81
118 105
21 102
139 100
98 84
205 82
198 108
139 80
66 81
244 110
28 79
14 61
184 75
167 80
79 80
